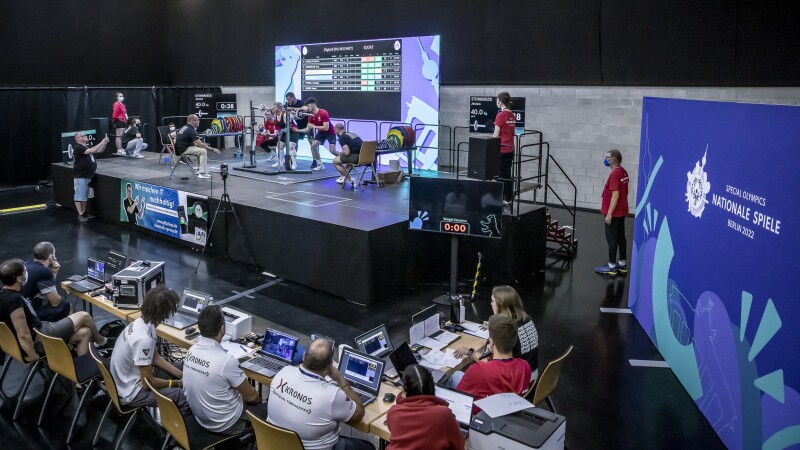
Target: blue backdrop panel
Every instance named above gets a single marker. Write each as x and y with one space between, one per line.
713 278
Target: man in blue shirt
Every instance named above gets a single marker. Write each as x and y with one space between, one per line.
40 288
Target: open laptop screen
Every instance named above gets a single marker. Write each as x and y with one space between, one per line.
424 314
361 369
279 345
375 342
96 270
402 357
458 402
193 301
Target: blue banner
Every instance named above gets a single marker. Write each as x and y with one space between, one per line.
715 237
167 211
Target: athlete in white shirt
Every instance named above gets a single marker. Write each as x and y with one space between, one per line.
135 355
214 384
302 400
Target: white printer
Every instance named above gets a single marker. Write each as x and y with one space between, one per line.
237 323
532 428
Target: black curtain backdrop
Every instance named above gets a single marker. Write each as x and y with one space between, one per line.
514 42
35 119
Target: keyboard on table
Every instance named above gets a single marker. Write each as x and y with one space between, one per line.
268 363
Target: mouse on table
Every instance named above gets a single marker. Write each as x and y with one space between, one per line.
190 330
389 397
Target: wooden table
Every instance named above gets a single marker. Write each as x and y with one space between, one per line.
100 301
377 409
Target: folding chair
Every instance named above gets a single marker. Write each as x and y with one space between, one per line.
547 382
366 158
176 160
10 346
270 436
81 370
166 144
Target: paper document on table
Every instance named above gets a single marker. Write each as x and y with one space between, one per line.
432 344
446 337
432 324
416 333
443 359
475 330
238 351
502 404
425 363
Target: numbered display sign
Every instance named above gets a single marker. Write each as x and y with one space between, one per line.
483 110
214 105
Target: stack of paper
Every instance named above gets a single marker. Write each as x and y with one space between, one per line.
502 404
238 351
476 330
442 359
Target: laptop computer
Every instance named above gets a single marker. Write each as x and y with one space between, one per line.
95 276
276 353
403 357
192 302
460 403
376 343
364 373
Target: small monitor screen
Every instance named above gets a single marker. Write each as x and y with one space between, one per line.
402 357
279 345
115 262
360 369
456 206
375 342
194 301
96 270
458 402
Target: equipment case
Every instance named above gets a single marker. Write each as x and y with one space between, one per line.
132 283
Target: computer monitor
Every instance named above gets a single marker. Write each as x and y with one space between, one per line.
459 403
96 270
279 345
195 301
375 342
360 369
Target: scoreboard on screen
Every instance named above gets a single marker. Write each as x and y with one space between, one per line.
483 111
207 105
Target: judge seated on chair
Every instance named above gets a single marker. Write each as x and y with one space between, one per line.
351 147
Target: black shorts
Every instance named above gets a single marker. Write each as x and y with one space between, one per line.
293 137
349 159
322 137
269 143
119 124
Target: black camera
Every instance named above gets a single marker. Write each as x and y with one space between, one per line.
223 170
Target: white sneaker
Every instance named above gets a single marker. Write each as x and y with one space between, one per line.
272 157
340 180
122 152
204 175
276 164
320 166
294 165
137 156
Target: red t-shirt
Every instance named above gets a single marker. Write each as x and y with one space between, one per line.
120 112
319 118
497 376
507 122
423 422
617 181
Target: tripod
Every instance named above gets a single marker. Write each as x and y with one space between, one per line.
225 205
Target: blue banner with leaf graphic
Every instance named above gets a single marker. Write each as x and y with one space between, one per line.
715 241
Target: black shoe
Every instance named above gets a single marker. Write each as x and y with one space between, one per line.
88 216
313 164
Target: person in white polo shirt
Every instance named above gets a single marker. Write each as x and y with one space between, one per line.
214 385
302 400
135 358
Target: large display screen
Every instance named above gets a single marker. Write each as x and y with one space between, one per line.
469 207
383 80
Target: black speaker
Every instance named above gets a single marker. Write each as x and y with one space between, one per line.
484 157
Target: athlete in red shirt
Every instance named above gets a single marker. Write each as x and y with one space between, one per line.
320 121
614 207
119 117
504 125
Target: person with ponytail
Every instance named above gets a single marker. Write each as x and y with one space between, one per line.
504 125
420 420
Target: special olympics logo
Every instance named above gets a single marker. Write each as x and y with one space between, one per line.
697 187
396 45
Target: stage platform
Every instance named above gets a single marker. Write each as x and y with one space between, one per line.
348 243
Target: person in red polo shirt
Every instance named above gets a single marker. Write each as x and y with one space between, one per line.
614 207
504 125
319 120
119 117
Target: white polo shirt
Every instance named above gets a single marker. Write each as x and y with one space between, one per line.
210 378
135 348
305 403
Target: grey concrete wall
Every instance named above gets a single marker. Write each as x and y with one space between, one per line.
581 123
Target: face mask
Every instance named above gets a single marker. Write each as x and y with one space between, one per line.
171 128
25 278
605 163
120 98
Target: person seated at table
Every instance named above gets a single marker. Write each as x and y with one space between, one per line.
41 286
302 400
214 385
16 311
135 356
420 420
351 147
507 302
502 373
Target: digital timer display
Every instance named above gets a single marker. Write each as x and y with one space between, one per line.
454 227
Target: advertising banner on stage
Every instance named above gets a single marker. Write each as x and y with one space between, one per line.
715 241
167 211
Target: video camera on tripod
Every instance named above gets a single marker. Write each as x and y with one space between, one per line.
223 171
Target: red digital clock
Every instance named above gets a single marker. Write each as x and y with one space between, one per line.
454 227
